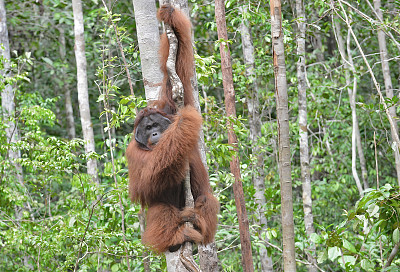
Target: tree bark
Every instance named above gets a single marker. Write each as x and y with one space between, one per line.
226 67
7 96
289 261
149 40
83 95
388 82
303 132
253 105
68 102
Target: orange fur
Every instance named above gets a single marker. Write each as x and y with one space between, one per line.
164 166
184 57
156 175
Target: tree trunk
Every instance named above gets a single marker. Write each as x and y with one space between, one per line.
255 134
289 261
83 95
68 102
388 82
348 64
303 133
8 108
352 99
355 130
7 96
149 40
226 67
148 35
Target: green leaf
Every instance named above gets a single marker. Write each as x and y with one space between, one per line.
322 256
373 209
367 265
101 98
48 61
115 267
396 236
333 253
72 222
394 146
349 246
315 238
347 260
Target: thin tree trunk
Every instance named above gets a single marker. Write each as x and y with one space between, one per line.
68 102
352 98
348 64
255 134
7 96
363 164
355 130
83 95
149 40
289 261
148 35
226 67
8 108
304 150
207 253
388 82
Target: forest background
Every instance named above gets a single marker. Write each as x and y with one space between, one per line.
53 215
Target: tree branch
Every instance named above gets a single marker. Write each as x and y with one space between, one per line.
392 255
186 252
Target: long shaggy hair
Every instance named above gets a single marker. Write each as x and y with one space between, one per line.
156 176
